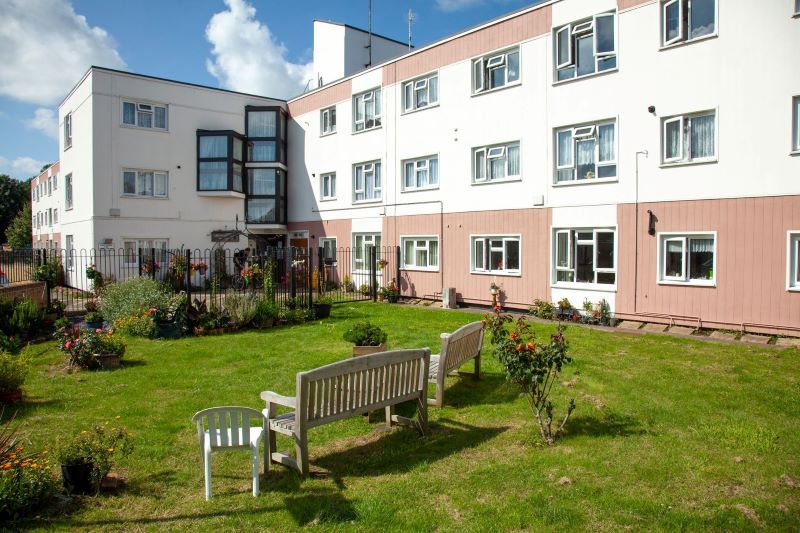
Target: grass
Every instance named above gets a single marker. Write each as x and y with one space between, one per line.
668 434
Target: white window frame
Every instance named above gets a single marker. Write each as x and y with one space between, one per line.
360 266
686 236
416 239
496 151
572 244
796 8
483 66
137 108
69 251
138 242
331 241
793 260
330 177
795 114
138 193
68 192
327 117
480 265
369 170
67 131
360 101
411 89
579 29
419 164
685 146
583 132
685 15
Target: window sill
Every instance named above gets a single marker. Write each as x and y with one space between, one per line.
711 283
420 189
362 202
327 134
688 42
794 153
354 132
688 163
793 289
573 183
492 182
490 91
418 269
585 76
419 109
221 194
67 147
598 287
509 274
140 128
331 199
139 197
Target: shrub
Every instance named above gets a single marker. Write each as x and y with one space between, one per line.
98 447
10 344
325 300
93 317
130 298
27 317
52 271
532 366
139 325
564 304
542 309
81 345
13 371
265 310
364 289
241 308
365 334
6 312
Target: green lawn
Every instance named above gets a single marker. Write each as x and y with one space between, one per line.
668 434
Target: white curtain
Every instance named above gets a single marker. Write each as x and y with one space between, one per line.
214 146
703 136
409 252
606 137
433 171
701 245
433 253
128 113
145 184
673 133
160 117
497 167
585 158
433 89
213 175
565 148
261 123
262 151
409 177
512 153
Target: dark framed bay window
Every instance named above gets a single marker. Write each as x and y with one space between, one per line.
266 196
265 129
219 161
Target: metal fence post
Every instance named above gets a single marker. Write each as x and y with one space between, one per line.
397 270
188 276
292 284
46 284
373 273
153 263
140 262
320 270
309 276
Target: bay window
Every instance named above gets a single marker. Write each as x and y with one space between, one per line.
265 129
586 152
586 46
421 173
495 70
421 93
327 121
219 161
367 182
584 256
266 196
144 115
689 138
367 110
498 162
363 243
420 253
144 183
687 258
495 254
687 20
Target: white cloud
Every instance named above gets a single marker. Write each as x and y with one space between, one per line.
21 167
456 5
44 120
46 48
247 57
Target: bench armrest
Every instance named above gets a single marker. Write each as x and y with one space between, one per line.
274 397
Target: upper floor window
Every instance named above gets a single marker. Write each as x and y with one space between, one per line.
144 183
793 257
70 251
265 130
219 161
421 173
144 115
585 256
55 216
266 196
367 182
686 20
586 47
687 258
67 130
797 7
689 138
796 122
498 162
495 71
586 152
327 186
367 110
420 253
327 121
421 92
495 254
68 191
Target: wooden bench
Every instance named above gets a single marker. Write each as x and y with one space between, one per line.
457 348
344 389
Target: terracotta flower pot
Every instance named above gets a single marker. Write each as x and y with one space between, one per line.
367 350
108 360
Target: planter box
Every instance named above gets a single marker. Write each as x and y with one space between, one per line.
266 324
322 310
11 396
367 350
108 361
168 330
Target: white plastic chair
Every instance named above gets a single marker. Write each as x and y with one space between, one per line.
228 428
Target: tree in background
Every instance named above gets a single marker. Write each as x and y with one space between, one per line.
14 194
18 233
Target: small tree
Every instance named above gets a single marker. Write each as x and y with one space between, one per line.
532 366
18 233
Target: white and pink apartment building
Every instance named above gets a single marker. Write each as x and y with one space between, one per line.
645 152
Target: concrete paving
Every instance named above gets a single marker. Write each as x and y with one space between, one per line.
788 342
682 330
754 339
655 328
723 336
629 324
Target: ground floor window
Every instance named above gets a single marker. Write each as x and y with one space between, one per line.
794 260
132 246
687 258
70 248
362 244
499 254
585 256
328 245
420 253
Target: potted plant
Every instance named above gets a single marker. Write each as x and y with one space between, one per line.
87 457
93 320
494 290
588 308
565 309
169 320
13 371
367 338
347 285
392 292
265 313
322 307
91 349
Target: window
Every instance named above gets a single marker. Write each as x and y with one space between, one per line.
219 161
363 243
70 251
689 138
144 115
797 7
67 130
495 254
367 110
793 257
145 183
796 122
55 182
584 256
686 20
367 182
420 253
687 258
328 245
55 216
421 93
132 247
327 121
68 192
586 47
495 71
266 196
327 186
421 173
266 135
498 162
586 152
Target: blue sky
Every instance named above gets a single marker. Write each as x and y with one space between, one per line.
53 42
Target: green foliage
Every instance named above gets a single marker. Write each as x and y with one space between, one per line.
365 334
18 233
98 446
542 309
241 308
81 345
93 317
13 371
138 325
10 344
325 300
364 289
6 313
132 297
564 304
51 270
14 194
27 317
265 311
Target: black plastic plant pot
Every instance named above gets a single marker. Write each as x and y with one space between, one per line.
322 310
77 478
